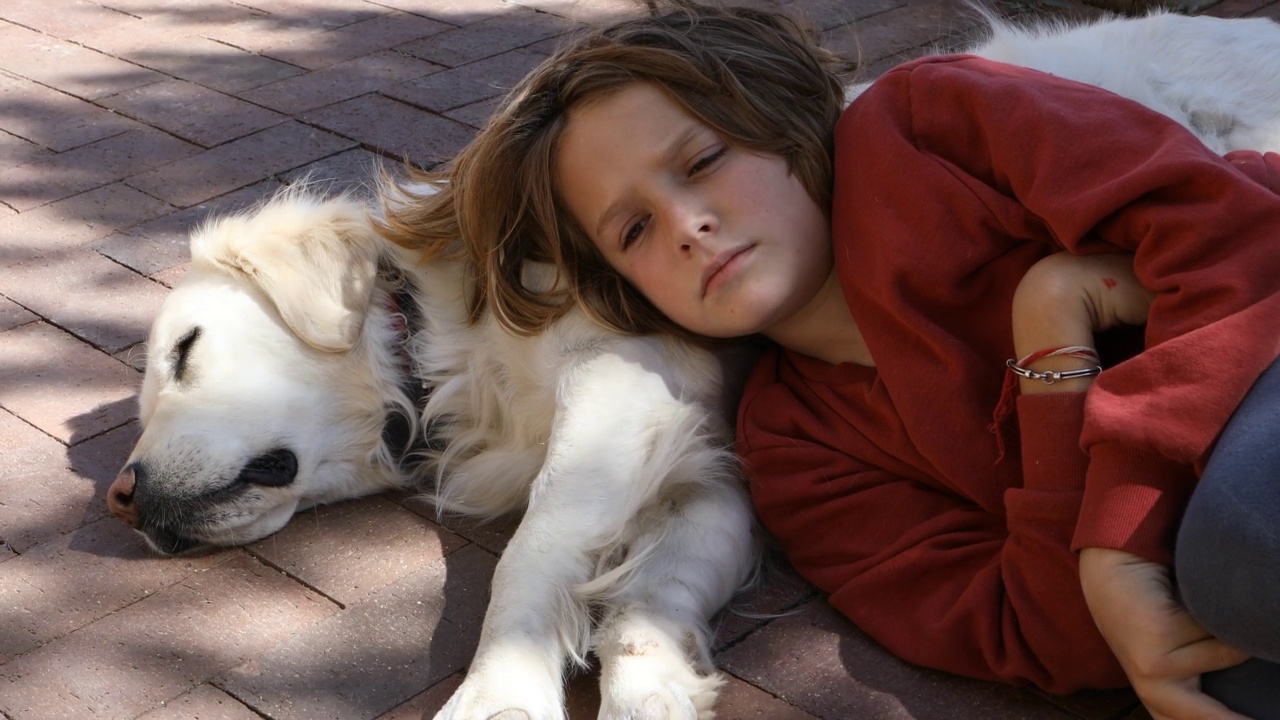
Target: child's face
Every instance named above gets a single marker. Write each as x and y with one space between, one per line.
724 241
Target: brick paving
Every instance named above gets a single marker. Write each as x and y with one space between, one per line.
125 122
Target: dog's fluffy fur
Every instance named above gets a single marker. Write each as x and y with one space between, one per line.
275 366
1216 77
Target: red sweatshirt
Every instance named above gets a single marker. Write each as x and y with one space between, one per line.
953 176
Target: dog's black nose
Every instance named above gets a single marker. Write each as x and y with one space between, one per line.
274 468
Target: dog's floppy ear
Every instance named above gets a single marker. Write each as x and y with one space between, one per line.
315 260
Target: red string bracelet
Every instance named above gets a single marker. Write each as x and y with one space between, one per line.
1018 368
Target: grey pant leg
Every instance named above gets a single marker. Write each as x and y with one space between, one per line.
1227 561
1251 689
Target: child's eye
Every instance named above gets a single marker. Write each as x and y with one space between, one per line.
633 232
706 161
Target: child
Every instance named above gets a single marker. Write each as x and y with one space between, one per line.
693 172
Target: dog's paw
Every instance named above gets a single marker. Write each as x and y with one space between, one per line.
641 688
671 705
504 696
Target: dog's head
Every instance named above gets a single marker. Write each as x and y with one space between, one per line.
259 396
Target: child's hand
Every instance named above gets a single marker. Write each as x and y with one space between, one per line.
1064 299
1161 648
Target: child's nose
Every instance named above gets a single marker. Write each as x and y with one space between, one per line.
694 227
690 239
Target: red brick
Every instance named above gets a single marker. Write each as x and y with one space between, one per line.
90 166
834 15
742 701
239 163
34 473
582 694
780 590
911 27
1271 11
351 549
492 535
487 38
53 119
376 654
65 66
819 662
62 227
157 648
265 28
181 14
135 356
63 386
476 114
212 64
64 19
397 129
183 18
1236 8
57 588
171 277
169 106
454 12
12 315
160 24
15 151
105 304
50 489
468 83
205 702
354 171
340 82
426 703
588 11
320 14
878 67
352 41
160 244
97 461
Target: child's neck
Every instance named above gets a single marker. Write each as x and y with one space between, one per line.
825 329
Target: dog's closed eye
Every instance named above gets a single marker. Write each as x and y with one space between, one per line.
181 350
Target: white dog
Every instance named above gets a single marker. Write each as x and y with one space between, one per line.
303 359
1217 77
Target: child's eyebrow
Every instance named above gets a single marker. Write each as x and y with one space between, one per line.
671 155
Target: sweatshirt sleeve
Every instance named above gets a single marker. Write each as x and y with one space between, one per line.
1103 174
933 576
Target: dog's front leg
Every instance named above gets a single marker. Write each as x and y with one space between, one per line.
698 547
579 501
529 629
635 510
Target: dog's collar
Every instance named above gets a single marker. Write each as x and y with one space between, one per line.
402 305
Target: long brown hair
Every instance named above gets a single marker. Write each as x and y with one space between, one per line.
757 78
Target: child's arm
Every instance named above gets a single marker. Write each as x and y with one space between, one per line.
986 587
1063 300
